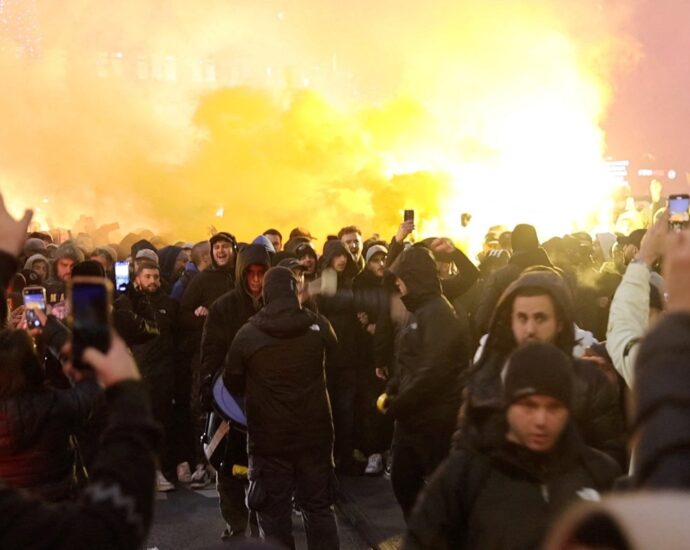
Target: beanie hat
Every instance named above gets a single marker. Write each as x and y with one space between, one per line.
34 246
376 249
223 236
147 254
524 237
539 369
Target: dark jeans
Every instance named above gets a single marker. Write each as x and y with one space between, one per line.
308 475
415 457
232 493
342 388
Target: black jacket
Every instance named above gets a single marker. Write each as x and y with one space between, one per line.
497 494
430 354
156 357
595 403
501 279
230 311
36 452
340 309
277 360
662 406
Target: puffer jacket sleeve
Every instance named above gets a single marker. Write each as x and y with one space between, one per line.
628 320
116 508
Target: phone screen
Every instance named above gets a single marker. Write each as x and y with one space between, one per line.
34 298
121 276
90 318
679 210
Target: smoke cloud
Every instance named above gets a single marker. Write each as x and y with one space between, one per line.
178 115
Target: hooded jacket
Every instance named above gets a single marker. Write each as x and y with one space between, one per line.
230 311
277 360
167 257
340 308
497 494
430 353
501 279
595 404
202 290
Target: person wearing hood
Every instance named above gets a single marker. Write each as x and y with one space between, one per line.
66 256
537 307
307 256
526 253
507 488
172 260
424 395
36 269
225 317
277 362
336 303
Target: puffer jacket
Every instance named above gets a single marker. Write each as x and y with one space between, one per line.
497 494
36 450
277 361
430 353
595 403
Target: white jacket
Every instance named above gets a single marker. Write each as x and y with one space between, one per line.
628 319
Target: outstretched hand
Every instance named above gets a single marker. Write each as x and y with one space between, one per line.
13 232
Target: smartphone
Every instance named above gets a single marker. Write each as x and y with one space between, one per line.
90 300
408 216
679 211
34 298
121 275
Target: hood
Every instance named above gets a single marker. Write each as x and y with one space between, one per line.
529 258
35 258
167 257
265 242
417 269
282 316
500 331
333 248
250 254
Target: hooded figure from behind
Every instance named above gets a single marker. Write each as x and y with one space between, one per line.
424 394
277 361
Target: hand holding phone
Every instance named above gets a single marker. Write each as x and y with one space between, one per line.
90 300
679 211
34 298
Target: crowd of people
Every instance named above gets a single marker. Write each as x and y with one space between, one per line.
495 391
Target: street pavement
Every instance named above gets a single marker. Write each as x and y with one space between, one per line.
367 514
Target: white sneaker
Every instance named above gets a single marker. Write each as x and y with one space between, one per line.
200 478
374 465
184 474
162 484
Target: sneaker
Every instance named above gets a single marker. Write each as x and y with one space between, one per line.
374 465
162 484
200 478
184 474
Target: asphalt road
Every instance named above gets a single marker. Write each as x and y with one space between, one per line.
186 520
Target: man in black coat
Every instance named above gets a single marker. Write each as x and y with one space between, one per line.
537 307
424 395
526 253
277 361
508 486
225 317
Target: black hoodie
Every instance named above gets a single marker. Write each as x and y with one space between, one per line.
277 360
229 312
430 355
595 403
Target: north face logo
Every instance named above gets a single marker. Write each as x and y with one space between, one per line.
315 328
591 495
